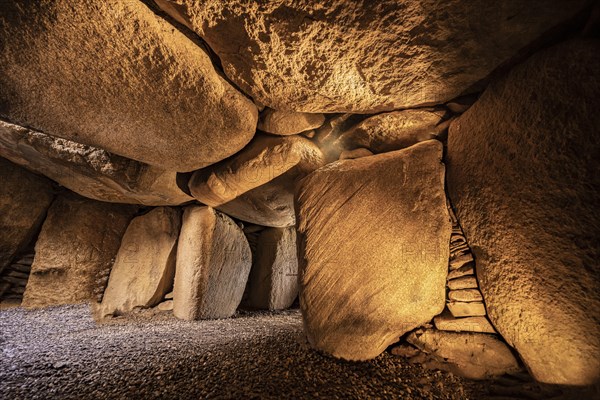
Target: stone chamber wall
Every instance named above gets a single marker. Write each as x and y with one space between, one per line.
219 155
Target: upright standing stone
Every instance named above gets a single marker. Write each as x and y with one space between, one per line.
76 248
213 263
145 267
273 280
24 200
523 175
373 246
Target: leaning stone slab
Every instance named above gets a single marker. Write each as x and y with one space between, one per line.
213 263
373 247
145 266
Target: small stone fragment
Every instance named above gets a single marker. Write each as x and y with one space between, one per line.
447 322
356 153
466 295
460 309
165 305
288 122
464 282
461 260
468 269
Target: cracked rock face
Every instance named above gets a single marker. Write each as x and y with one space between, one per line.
365 56
116 76
90 171
373 246
531 214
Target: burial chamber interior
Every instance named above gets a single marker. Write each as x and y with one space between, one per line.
299 199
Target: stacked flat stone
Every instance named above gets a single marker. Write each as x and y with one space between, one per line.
14 278
465 308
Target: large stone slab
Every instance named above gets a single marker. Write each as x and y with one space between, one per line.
472 355
88 170
365 56
373 246
213 263
76 249
273 281
139 88
24 200
523 177
144 270
257 185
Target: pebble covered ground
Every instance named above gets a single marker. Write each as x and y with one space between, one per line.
62 353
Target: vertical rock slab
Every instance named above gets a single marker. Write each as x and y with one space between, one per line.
145 266
140 88
365 56
213 263
90 171
273 281
257 184
24 200
76 247
523 177
373 246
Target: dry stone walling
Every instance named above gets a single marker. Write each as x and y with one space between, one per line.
168 190
531 216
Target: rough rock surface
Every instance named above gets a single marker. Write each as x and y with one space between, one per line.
472 355
139 88
288 122
213 263
356 153
273 281
75 250
366 57
24 200
373 246
145 266
393 131
257 184
531 215
88 170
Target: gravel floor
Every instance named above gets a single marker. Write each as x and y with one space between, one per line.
63 353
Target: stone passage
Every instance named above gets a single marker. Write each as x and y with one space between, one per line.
13 278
